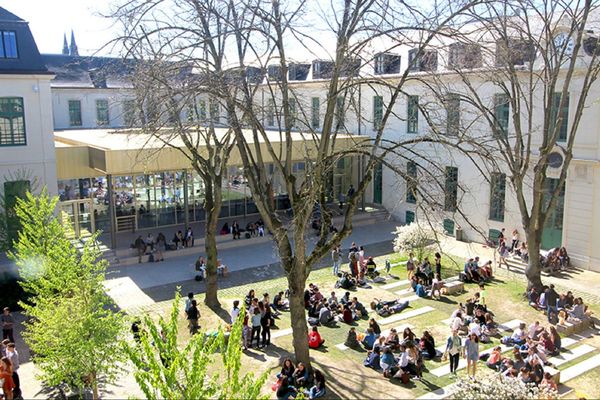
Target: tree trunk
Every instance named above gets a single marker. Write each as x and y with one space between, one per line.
533 272
95 394
213 209
297 283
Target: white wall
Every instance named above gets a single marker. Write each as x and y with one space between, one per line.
36 160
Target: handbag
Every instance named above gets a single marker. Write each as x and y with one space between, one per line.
276 385
445 356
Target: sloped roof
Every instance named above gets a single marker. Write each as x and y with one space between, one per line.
29 60
89 72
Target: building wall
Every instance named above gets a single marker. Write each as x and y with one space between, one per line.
88 97
35 161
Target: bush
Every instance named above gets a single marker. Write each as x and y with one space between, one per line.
499 387
415 238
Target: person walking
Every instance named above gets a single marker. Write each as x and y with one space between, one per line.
453 350
336 257
8 323
193 314
161 246
471 353
265 323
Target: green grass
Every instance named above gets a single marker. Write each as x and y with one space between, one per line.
347 378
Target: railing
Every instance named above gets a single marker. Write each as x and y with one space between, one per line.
126 223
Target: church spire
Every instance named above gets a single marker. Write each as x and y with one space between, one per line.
65 49
73 49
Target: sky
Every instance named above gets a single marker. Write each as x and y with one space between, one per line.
49 20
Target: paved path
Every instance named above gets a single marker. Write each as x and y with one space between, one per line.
148 275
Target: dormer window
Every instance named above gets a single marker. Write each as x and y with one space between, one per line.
386 63
274 72
426 60
322 69
514 52
8 45
464 55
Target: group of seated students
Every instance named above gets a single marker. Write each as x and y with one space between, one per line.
325 311
474 318
381 349
559 308
555 260
293 380
423 288
532 347
473 272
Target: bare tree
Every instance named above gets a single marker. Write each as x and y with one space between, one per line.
520 73
177 93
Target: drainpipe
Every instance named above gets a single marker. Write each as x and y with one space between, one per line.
111 212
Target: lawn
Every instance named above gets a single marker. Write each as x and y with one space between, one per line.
344 371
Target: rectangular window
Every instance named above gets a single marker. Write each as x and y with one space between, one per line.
412 114
12 122
270 112
214 110
451 189
8 45
202 110
452 114
564 117
315 113
129 113
497 192
501 114
377 112
74 113
411 182
293 112
102 117
340 112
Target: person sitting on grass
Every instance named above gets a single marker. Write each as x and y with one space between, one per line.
549 382
325 317
373 359
318 389
314 338
358 309
280 303
346 316
346 281
371 268
375 326
392 340
300 375
420 289
408 335
486 271
287 369
369 339
388 362
427 345
385 308
495 358
351 339
286 390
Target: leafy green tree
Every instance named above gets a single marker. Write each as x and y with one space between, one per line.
72 329
168 369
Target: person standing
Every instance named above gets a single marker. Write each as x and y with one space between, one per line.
256 319
193 315
6 373
161 246
551 297
140 246
189 237
515 241
471 353
453 349
8 323
265 323
336 257
235 311
13 355
438 264
411 265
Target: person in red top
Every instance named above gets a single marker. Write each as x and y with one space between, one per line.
6 373
314 339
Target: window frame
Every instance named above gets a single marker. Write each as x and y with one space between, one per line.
14 116
377 112
563 132
501 114
3 34
411 185
340 112
452 105
315 120
412 114
451 189
497 197
71 111
99 110
130 116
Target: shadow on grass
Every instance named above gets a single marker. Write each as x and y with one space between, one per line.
221 313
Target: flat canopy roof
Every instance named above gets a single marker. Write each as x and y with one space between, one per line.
84 153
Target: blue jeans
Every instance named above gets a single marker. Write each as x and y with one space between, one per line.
336 267
551 308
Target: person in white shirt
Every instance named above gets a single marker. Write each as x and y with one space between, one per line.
235 311
403 358
457 322
519 335
534 330
13 356
188 302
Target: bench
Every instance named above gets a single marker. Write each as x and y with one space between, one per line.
570 327
554 373
454 287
